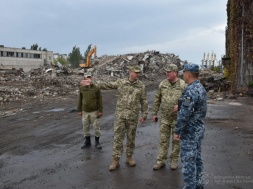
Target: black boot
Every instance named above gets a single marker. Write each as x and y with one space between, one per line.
87 142
199 187
98 146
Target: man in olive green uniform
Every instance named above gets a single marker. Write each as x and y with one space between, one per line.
132 93
167 96
90 107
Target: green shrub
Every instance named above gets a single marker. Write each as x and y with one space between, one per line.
251 84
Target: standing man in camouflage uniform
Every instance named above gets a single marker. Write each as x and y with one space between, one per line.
132 93
90 107
167 97
190 128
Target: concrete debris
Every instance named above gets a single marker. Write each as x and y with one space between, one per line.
151 63
30 85
40 83
214 81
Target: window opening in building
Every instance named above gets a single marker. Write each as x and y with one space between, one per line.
10 54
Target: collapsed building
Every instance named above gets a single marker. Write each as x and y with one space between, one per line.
151 63
40 84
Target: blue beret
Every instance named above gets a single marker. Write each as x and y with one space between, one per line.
191 67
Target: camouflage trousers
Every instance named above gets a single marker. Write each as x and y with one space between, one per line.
89 118
121 127
167 131
192 164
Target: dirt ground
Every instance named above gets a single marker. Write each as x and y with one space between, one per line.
40 148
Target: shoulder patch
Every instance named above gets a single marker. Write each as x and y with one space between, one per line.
187 101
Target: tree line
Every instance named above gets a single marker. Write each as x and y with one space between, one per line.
74 56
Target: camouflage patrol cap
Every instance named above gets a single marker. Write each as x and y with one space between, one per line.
135 68
171 67
191 67
88 74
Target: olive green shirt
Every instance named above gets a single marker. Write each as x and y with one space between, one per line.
90 99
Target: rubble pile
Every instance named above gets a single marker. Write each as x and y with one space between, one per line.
151 62
28 85
42 83
214 81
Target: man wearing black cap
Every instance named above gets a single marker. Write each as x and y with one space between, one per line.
90 107
190 128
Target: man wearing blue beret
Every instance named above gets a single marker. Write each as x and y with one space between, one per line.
190 128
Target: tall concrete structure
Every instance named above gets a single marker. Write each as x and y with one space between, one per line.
24 58
209 62
238 60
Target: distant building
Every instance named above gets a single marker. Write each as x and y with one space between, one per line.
209 61
57 55
24 58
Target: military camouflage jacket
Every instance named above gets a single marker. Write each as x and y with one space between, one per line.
190 124
131 96
167 97
90 99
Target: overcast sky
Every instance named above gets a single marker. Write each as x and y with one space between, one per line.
186 28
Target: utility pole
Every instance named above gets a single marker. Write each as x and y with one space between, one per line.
242 50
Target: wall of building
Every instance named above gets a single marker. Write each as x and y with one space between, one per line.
238 60
24 58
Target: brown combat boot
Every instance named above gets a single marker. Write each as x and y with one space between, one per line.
158 166
115 164
130 161
173 164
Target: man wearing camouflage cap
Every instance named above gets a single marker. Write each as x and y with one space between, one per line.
166 98
190 128
132 93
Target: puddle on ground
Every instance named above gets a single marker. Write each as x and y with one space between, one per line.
51 110
36 112
56 110
235 103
